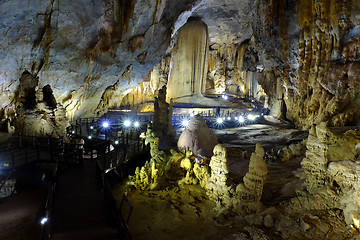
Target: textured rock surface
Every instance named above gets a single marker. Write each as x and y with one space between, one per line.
303 53
197 138
308 58
219 188
189 62
81 48
251 190
331 172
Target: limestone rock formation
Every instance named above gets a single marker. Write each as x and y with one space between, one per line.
188 165
331 172
37 112
140 96
219 187
309 60
188 70
197 138
149 176
80 48
323 147
251 190
162 120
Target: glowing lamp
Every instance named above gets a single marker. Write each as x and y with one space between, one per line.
43 220
241 119
89 137
225 97
356 223
136 124
105 124
219 120
185 122
127 123
252 117
91 127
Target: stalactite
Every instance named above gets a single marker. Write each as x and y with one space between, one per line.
47 39
189 61
123 13
157 4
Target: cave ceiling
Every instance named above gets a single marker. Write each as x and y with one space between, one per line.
94 53
80 48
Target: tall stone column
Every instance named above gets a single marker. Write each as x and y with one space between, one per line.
189 63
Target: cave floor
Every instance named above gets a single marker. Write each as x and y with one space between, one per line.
184 212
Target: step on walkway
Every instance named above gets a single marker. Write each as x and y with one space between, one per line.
79 211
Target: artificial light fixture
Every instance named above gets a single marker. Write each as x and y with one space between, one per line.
127 123
252 117
185 122
105 124
43 220
241 119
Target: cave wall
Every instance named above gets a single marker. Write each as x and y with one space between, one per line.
84 50
99 55
309 58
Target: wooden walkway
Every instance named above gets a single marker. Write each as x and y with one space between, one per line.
79 208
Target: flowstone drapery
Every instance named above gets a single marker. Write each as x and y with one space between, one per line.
189 62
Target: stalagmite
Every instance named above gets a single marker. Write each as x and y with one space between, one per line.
249 193
189 62
198 138
219 187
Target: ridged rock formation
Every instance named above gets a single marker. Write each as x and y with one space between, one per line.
219 187
323 147
189 62
308 59
162 119
38 113
331 172
249 192
82 49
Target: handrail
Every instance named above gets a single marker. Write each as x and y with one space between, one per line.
7 178
110 203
